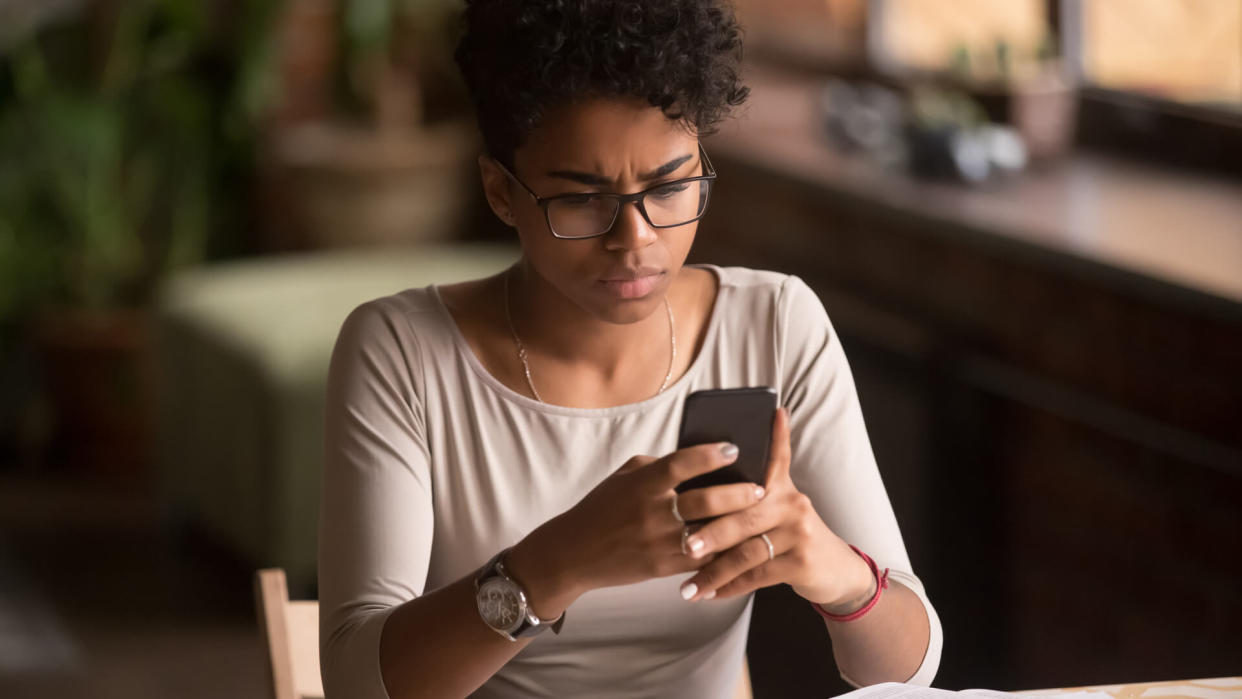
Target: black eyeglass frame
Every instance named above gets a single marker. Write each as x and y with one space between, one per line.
621 199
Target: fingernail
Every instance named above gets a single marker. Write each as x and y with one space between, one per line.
709 594
688 590
728 450
759 492
695 544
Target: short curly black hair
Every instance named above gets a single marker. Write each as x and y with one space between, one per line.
521 58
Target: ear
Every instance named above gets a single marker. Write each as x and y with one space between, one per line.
496 187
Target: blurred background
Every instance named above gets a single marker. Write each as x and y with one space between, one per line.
1023 216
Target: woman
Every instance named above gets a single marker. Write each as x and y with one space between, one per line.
511 440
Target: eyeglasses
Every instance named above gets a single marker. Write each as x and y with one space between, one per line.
579 215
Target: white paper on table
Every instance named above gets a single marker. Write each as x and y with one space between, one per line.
895 690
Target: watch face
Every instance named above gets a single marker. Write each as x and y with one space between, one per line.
501 604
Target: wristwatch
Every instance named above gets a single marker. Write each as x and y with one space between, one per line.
504 605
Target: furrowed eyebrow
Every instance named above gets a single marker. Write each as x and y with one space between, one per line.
664 169
581 177
588 178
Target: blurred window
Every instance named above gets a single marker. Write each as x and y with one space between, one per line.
1182 50
819 30
1187 51
979 39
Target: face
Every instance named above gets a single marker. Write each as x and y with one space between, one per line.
600 146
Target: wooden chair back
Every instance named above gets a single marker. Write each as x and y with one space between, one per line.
290 631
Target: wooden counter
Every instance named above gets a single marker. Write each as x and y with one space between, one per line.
1151 229
1051 371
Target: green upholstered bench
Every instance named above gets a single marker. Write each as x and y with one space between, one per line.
242 358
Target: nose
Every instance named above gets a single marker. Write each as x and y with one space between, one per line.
630 230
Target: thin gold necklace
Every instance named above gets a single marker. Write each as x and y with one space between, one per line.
521 349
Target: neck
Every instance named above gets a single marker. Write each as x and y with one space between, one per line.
565 333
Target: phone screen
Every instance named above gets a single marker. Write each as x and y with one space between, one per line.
742 416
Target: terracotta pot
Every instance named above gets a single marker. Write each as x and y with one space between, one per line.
98 378
1045 112
1043 108
342 186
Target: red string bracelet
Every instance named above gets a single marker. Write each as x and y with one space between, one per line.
881 584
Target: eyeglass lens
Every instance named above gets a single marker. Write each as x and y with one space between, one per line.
587 215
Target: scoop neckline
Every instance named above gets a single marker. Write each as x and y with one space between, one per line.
463 347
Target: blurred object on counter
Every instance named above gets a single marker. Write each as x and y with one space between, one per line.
865 117
1044 109
935 132
950 136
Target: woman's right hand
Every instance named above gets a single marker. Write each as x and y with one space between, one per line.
624 530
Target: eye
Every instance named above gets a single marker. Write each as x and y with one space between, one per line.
579 199
669 190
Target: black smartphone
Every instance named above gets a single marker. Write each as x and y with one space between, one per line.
742 416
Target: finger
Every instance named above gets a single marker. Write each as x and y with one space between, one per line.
716 500
765 575
729 530
779 455
670 560
689 462
636 462
736 562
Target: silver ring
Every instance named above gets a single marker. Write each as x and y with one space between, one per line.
766 540
675 512
685 534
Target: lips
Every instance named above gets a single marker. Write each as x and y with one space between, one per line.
629 274
631 283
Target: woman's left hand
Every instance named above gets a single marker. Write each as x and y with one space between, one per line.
805 553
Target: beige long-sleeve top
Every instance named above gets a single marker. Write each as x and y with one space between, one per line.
432 466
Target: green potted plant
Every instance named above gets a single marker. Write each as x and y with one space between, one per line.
115 151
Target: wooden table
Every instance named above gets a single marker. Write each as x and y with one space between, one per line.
1218 688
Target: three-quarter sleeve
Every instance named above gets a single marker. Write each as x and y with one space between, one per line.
832 459
375 527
